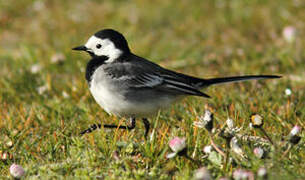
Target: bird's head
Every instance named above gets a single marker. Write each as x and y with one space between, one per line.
107 42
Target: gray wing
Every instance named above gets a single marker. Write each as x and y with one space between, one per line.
145 74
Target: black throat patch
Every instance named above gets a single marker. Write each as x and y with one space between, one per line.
92 65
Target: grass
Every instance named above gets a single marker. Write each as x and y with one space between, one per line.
201 38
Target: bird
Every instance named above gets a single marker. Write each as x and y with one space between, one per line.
130 86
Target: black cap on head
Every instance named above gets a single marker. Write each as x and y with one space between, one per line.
116 37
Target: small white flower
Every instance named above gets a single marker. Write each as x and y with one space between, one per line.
207 116
289 34
42 89
262 172
258 152
17 171
74 89
57 58
230 123
202 174
295 130
288 92
65 95
9 144
207 149
35 68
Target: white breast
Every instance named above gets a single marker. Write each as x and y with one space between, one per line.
105 94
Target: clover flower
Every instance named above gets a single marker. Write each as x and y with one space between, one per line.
295 130
17 171
258 152
289 34
178 146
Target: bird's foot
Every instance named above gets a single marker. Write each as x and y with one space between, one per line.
93 127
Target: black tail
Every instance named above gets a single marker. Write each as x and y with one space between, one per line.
208 82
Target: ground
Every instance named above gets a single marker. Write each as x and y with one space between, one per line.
45 102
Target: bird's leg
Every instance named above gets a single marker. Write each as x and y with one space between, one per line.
131 126
147 125
95 126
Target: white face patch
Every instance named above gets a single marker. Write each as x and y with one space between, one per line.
103 47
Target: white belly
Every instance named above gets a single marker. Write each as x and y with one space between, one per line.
112 100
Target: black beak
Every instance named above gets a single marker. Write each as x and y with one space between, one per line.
80 48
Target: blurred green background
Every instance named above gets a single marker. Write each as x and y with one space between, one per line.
45 101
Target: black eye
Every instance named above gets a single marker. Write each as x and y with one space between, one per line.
98 46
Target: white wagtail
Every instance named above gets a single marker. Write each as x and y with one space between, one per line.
127 85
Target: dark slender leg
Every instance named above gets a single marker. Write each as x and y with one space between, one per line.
95 126
147 125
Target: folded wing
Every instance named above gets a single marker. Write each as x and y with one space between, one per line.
164 83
